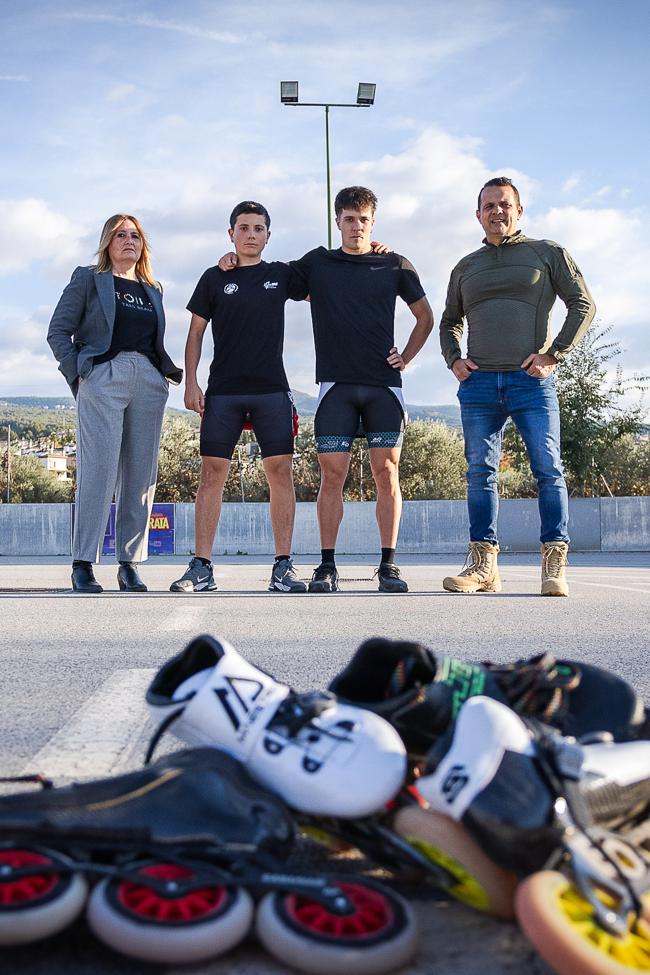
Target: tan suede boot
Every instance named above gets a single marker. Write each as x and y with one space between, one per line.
480 572
554 560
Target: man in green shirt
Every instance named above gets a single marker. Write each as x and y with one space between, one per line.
505 291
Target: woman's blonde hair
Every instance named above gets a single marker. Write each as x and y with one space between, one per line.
143 265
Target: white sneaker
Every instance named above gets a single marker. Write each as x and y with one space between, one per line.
321 757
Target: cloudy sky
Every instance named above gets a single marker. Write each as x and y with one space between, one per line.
171 111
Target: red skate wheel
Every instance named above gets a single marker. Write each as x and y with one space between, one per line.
177 927
379 935
40 903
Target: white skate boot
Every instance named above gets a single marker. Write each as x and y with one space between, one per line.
320 756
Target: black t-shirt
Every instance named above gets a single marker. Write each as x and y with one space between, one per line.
353 312
246 307
136 322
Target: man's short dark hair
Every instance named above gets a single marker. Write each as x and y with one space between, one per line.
499 181
249 206
354 198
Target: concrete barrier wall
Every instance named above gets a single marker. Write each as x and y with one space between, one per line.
428 527
35 529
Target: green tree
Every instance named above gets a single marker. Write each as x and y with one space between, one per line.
594 408
179 462
599 425
31 483
433 462
625 466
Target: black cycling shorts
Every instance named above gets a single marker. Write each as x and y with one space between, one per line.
346 411
271 416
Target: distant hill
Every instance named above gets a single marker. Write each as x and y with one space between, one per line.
34 416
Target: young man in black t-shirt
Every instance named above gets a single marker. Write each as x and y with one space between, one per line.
247 383
353 291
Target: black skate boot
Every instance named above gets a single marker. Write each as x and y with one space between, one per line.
420 692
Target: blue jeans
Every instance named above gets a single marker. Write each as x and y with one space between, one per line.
487 399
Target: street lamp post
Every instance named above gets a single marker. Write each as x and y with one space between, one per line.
365 98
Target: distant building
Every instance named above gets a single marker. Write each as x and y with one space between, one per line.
58 463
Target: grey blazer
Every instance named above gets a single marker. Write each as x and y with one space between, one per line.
82 325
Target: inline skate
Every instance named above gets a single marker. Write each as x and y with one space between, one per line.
185 857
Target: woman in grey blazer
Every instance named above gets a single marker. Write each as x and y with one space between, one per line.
107 334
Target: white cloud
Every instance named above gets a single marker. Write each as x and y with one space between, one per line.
30 230
570 184
156 23
427 197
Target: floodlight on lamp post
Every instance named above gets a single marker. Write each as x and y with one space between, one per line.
365 98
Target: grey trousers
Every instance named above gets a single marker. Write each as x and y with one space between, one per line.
120 408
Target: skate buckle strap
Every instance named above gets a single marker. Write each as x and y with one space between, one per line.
297 711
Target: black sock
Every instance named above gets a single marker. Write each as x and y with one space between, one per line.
206 562
126 562
281 558
327 555
387 556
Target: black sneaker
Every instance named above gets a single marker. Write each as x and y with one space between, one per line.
389 578
325 578
285 579
196 578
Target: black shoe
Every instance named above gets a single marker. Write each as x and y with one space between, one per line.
128 579
325 578
389 578
83 578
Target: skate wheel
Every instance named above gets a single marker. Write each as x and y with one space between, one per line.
480 882
131 917
39 904
379 936
560 924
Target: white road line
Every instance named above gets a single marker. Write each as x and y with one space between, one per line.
102 736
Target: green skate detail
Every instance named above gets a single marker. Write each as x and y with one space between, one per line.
465 680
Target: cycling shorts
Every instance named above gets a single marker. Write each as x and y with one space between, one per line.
271 416
346 411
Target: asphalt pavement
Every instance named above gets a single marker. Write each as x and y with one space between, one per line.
73 668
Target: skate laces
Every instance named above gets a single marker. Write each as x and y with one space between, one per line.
401 679
538 686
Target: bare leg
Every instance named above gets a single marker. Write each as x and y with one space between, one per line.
384 462
334 470
214 472
279 474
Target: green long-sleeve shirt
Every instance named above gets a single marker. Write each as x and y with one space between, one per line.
506 294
